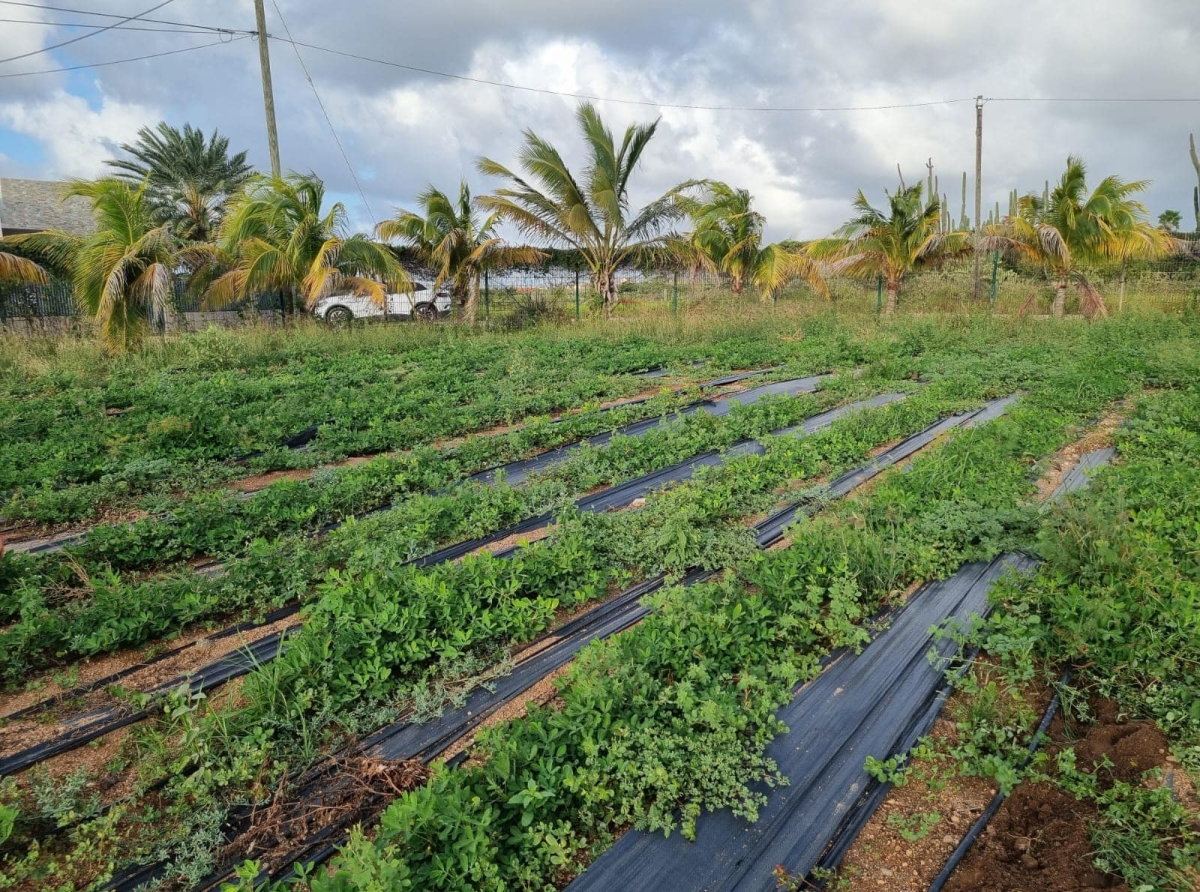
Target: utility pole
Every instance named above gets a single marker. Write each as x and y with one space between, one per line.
264 59
978 186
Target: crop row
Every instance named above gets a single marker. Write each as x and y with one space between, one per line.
671 718
547 789
142 432
178 429
383 632
118 611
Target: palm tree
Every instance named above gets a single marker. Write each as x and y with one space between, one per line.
589 214
20 270
452 238
894 244
1170 221
1073 229
276 237
728 237
189 177
122 275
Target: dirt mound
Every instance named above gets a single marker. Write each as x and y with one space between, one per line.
1039 840
1132 749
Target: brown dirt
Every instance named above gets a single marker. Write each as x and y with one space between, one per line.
23 535
19 734
1038 840
883 859
1100 436
540 694
262 481
58 681
518 539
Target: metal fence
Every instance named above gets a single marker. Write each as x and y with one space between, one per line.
516 298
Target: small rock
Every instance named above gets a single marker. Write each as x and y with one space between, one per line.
949 839
637 503
1021 845
1172 760
1029 862
886 871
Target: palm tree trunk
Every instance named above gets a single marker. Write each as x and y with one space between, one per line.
471 309
607 286
462 296
1060 297
737 285
889 306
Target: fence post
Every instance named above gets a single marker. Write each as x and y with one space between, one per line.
487 299
995 274
879 294
576 295
675 293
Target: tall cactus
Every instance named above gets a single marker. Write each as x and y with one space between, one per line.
964 222
1195 164
1046 198
947 223
930 189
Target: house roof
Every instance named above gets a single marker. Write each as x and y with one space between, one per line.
37 205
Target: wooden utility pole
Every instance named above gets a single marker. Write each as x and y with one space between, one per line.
264 59
978 187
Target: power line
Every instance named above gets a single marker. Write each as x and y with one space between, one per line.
55 46
109 15
695 107
590 98
328 120
93 25
1092 99
186 49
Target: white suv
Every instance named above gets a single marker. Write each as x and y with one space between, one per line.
338 309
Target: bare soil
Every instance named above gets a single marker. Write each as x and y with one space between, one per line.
22 535
262 481
18 734
1039 838
1098 437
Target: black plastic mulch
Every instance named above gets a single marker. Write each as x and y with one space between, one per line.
868 704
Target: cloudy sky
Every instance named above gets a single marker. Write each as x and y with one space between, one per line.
403 129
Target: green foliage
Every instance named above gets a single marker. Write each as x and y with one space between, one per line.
188 177
914 827
670 719
1144 833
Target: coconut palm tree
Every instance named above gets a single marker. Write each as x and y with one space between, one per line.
459 243
727 237
1170 221
123 274
15 269
278 237
892 244
590 214
1074 229
189 177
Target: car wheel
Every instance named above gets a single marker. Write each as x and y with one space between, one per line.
339 316
425 312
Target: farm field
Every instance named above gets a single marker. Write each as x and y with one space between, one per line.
426 607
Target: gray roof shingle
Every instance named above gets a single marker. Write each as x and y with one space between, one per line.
36 205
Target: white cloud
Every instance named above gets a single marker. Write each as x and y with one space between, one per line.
76 139
404 129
